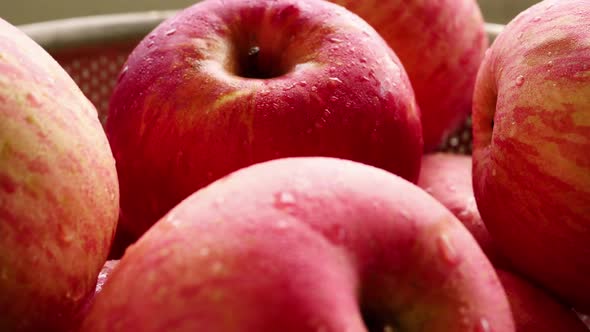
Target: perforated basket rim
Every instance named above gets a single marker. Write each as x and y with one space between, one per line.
92 30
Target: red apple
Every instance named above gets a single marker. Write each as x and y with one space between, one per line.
447 177
225 84
58 190
531 155
441 44
536 311
304 244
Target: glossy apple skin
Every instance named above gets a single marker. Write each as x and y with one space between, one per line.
103 276
536 311
448 178
441 44
304 244
58 189
180 117
531 171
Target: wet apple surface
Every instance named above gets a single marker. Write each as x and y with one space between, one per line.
441 44
313 244
227 84
58 190
531 167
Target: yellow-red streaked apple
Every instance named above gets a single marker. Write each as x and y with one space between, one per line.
59 196
228 83
441 44
531 156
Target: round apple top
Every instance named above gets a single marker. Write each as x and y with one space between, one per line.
313 244
226 84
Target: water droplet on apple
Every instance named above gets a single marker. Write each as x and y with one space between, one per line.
204 252
334 98
33 100
314 88
332 69
219 201
254 50
282 224
519 80
404 214
452 188
217 267
150 44
483 326
520 35
464 214
335 79
465 321
170 32
550 63
365 78
67 237
363 60
287 88
335 40
537 19
463 310
447 250
303 83
152 36
284 199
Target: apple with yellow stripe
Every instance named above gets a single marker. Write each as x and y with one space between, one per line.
59 197
531 157
441 44
447 177
304 245
225 84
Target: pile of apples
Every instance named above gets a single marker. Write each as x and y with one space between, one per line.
272 165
